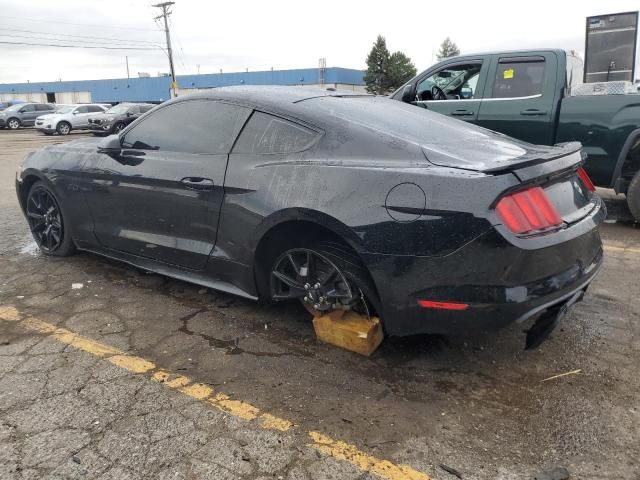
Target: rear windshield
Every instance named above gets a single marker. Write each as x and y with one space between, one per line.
391 117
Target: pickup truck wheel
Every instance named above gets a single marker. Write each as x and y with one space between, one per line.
633 197
13 123
63 128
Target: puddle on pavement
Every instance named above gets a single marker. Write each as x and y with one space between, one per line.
29 247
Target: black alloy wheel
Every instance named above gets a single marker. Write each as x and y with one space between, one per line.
45 219
317 281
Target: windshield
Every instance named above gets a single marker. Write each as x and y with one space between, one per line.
118 109
66 109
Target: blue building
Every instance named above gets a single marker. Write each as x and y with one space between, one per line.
157 89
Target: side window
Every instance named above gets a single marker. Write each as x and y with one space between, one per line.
456 81
28 108
191 126
519 77
95 108
43 108
265 133
82 109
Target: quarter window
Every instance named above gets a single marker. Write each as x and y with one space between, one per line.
43 108
266 133
192 126
83 109
516 78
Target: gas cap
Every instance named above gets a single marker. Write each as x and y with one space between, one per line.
405 202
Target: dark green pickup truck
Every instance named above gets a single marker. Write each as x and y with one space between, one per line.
531 95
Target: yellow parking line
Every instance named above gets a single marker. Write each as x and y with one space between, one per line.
613 248
237 408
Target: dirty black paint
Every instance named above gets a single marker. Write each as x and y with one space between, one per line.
410 191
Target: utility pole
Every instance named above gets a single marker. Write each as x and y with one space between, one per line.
165 13
127 60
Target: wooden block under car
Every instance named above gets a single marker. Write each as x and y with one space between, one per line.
349 330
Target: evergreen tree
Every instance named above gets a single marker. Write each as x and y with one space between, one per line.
386 72
401 69
377 75
447 49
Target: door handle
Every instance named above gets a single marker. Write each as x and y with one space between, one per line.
198 183
461 113
533 112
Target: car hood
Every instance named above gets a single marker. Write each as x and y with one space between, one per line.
48 116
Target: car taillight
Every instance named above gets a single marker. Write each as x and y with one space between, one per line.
528 211
582 173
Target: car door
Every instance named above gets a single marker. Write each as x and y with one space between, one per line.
28 114
80 116
521 96
160 197
461 81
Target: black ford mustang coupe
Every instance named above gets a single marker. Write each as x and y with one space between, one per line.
342 201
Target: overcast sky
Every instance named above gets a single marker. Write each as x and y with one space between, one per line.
260 34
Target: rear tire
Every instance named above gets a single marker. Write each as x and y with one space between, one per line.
633 196
13 124
47 222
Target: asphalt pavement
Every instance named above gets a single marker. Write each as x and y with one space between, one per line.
108 372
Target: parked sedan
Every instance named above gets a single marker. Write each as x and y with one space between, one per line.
340 201
117 118
24 114
67 118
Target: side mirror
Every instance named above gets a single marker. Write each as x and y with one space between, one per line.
407 94
110 145
129 114
75 112
22 110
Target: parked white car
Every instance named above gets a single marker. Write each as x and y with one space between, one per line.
67 118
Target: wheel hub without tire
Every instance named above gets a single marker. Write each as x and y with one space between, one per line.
312 278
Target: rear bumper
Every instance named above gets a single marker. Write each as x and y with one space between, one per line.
500 282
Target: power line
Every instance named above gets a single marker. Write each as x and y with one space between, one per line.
35 37
56 22
179 42
77 46
75 36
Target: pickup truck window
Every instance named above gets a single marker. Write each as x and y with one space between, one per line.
457 81
519 78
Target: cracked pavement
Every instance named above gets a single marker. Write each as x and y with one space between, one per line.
475 404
